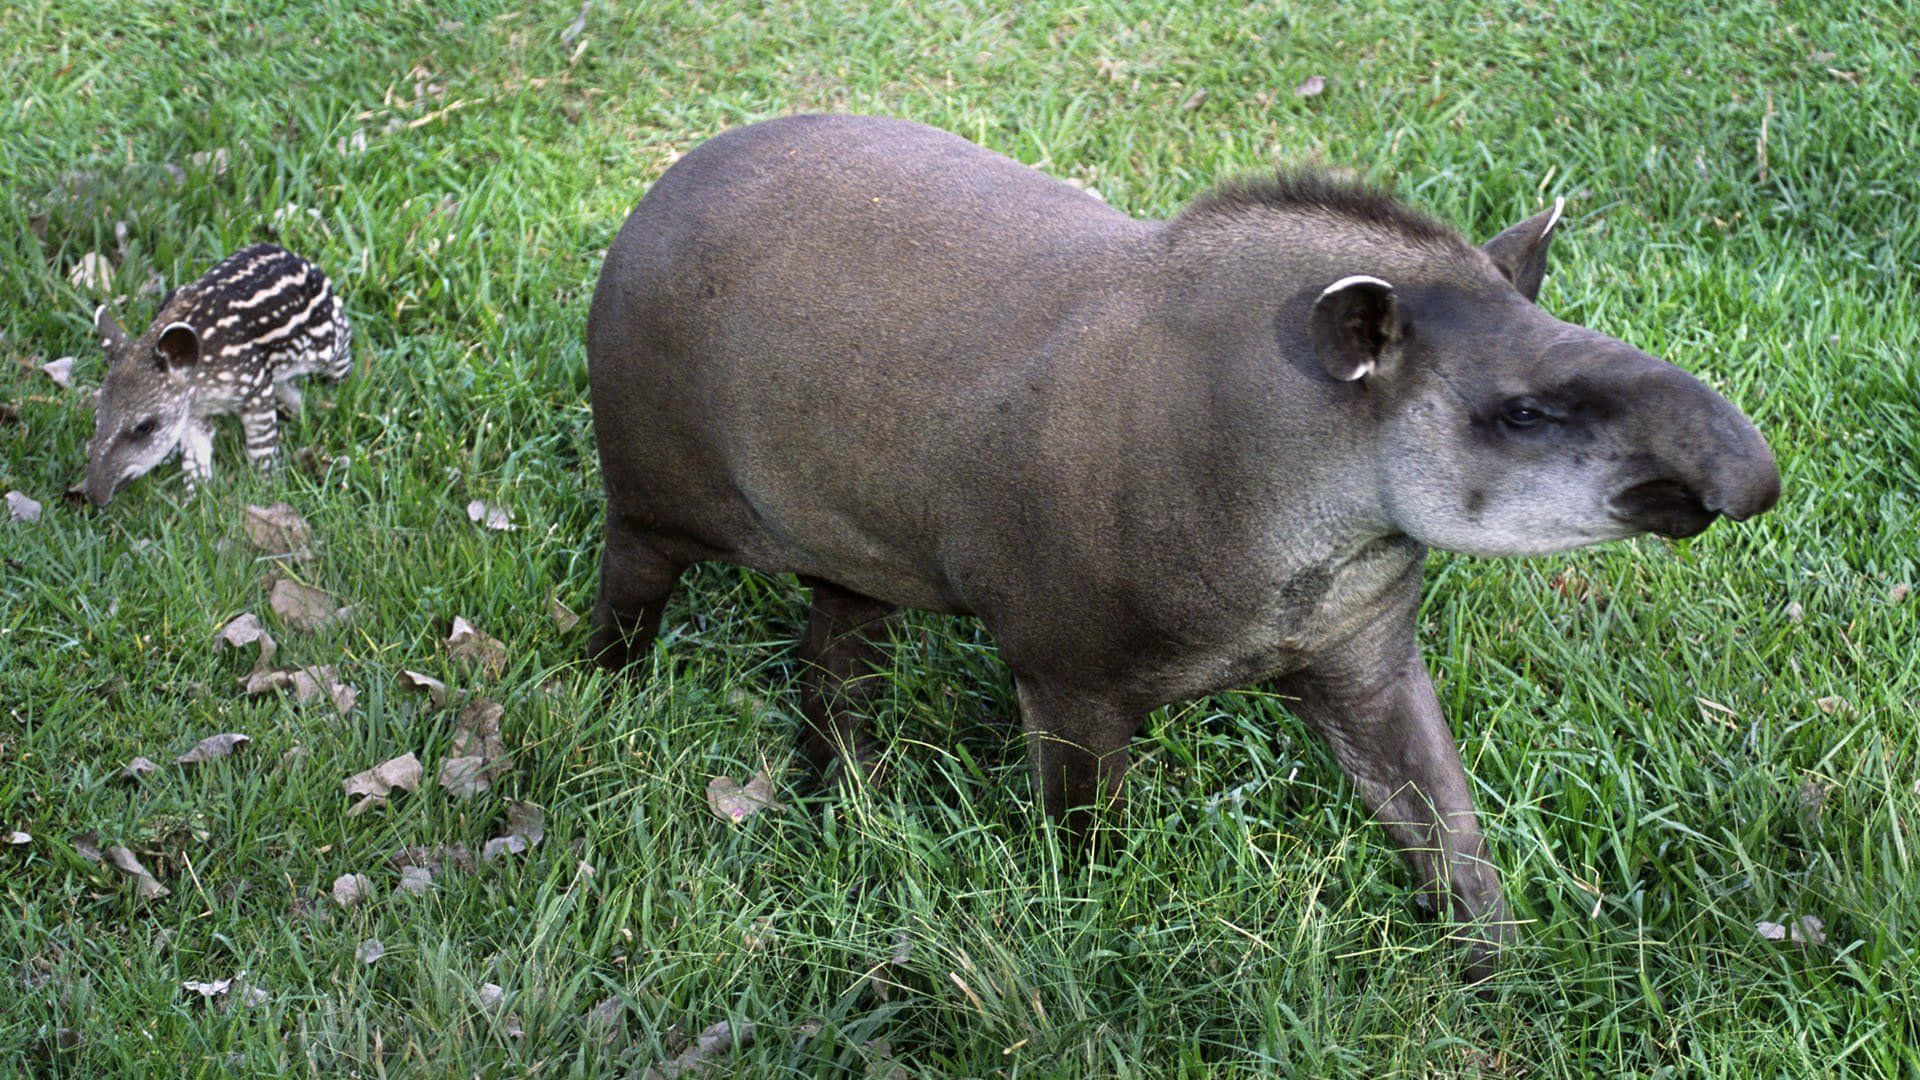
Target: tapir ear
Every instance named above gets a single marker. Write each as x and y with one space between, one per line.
1521 252
178 347
1355 327
111 336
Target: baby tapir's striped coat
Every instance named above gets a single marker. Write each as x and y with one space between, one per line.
231 342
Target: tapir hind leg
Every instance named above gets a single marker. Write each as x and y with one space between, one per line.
839 680
635 580
1375 708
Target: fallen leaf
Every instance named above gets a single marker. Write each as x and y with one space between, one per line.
1834 703
213 748
60 371
87 846
1195 100
307 683
493 1002
436 690
476 751
370 950
349 889
1795 612
375 784
93 273
246 630
16 838
220 991
1899 592
708 1047
304 607
415 880
145 886
733 803
133 770
280 531
1806 930
475 649
435 859
209 990
21 508
577 26
526 827
489 516
1311 86
564 617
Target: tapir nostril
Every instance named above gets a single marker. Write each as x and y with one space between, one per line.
1665 506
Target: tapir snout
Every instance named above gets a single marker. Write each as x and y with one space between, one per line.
1706 459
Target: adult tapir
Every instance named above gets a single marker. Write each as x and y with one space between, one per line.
1156 458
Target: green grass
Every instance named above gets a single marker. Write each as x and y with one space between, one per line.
1654 763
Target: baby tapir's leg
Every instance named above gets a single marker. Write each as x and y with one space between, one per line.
263 432
196 452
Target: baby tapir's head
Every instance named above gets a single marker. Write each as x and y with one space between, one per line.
144 403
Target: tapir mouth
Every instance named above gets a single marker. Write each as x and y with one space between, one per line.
1666 507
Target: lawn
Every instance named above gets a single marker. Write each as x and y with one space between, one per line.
1674 745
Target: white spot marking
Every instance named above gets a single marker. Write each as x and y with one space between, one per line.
1349 282
1559 204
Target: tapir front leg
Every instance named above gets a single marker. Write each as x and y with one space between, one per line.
1077 744
262 426
196 452
1374 706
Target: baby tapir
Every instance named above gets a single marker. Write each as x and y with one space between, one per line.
1156 458
232 341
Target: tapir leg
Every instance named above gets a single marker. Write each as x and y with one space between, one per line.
839 682
1078 747
635 580
1375 708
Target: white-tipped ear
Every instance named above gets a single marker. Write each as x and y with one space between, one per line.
105 325
1355 327
178 346
1520 253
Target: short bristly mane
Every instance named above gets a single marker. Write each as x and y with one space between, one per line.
1306 191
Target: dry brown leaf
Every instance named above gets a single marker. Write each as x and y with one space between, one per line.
1834 704
133 770
564 617
279 530
21 508
219 991
1899 593
526 827
60 371
213 748
1795 612
92 273
464 777
708 1048
375 784
415 880
436 859
246 630
476 650
734 803
303 607
435 689
145 886
370 950
350 889
1805 930
1311 86
489 516
87 846
307 683
1194 100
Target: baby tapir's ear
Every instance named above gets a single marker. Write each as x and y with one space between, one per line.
1521 252
112 338
1355 327
178 347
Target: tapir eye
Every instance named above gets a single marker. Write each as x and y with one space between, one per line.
142 429
1521 413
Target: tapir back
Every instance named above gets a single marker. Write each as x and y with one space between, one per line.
888 297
